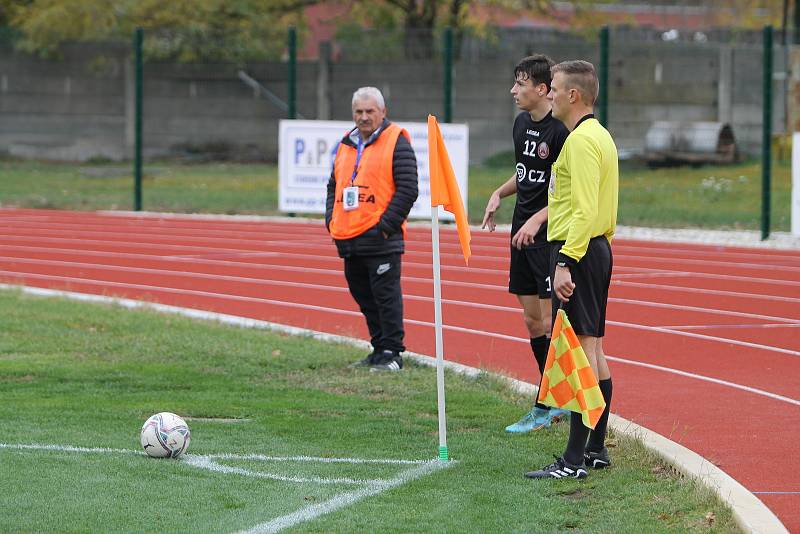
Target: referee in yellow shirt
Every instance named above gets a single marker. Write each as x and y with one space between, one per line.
582 217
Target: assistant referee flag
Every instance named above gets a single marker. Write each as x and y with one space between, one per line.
444 187
568 381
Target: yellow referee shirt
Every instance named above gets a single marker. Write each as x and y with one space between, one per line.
584 186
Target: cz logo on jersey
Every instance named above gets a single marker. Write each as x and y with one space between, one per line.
533 175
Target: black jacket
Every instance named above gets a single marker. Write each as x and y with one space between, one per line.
372 242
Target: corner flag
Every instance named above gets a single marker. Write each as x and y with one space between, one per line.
568 380
444 187
444 192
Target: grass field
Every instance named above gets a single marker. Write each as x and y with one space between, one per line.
709 197
88 375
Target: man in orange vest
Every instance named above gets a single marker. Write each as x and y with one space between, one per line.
371 190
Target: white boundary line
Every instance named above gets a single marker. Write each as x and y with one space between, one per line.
206 461
345 499
749 512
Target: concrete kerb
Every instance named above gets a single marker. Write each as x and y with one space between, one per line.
750 513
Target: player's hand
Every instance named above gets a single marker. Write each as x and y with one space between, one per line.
491 207
563 285
525 234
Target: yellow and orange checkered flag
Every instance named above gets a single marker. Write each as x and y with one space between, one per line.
568 381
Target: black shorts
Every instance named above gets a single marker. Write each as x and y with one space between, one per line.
586 308
528 274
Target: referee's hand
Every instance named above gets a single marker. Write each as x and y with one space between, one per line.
563 285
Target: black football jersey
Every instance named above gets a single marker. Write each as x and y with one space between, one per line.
536 146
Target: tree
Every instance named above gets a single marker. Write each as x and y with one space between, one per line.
187 30
239 30
420 19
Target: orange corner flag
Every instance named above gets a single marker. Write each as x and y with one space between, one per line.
444 188
568 380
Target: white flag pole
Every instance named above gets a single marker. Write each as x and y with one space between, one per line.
437 306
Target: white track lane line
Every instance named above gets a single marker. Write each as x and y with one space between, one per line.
732 326
314 243
700 309
208 252
266 225
644 272
753 255
456 255
280 303
706 291
301 229
694 376
259 281
426 266
337 273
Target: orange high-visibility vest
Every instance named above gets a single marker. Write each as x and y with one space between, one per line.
374 180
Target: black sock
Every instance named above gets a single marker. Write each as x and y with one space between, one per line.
540 346
576 445
597 438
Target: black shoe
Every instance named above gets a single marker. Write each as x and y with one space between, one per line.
371 359
559 469
388 360
597 460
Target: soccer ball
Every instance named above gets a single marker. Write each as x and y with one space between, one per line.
165 435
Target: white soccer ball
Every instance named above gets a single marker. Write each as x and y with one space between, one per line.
165 435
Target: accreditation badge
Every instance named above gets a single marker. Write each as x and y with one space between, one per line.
350 198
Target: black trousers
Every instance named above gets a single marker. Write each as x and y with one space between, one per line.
374 282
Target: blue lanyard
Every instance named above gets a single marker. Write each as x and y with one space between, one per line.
359 151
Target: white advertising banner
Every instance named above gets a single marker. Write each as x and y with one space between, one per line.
305 158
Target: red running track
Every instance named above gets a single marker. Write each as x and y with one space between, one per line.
704 341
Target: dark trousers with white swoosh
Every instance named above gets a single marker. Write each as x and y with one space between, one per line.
374 282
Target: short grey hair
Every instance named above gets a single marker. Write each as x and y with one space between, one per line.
363 93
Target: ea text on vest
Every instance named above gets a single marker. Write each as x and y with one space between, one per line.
362 197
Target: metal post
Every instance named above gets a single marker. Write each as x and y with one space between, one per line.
292 72
602 104
448 74
766 138
137 135
796 18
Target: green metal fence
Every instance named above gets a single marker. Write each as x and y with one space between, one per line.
194 97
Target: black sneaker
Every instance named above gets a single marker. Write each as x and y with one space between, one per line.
388 360
371 358
598 459
559 469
